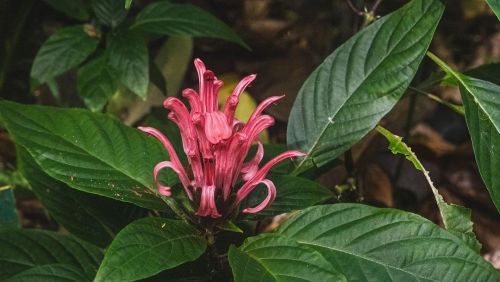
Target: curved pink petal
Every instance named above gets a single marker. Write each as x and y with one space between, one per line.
180 115
232 101
200 69
209 93
250 169
171 152
207 203
262 173
193 98
271 195
163 189
216 127
263 105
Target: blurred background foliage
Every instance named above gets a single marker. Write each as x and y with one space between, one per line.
287 39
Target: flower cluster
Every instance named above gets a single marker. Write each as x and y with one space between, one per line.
216 145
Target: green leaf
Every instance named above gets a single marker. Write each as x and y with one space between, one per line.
157 77
64 50
495 6
292 193
92 218
183 19
8 211
148 246
75 8
28 249
59 272
110 12
456 219
481 100
128 55
97 82
270 257
88 151
373 244
346 96
128 3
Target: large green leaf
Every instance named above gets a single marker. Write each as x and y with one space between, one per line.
57 272
93 218
109 12
346 96
74 8
97 82
89 151
22 250
481 100
64 50
128 55
183 19
373 244
148 246
276 258
292 193
495 6
456 219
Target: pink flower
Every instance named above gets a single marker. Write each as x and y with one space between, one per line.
216 145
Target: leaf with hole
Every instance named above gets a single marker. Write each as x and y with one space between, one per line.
456 219
346 96
481 100
88 151
148 246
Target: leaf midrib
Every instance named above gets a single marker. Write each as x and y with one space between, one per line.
81 148
330 119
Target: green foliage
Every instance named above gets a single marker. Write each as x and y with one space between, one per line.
63 51
495 6
292 193
360 82
128 55
148 246
481 100
88 151
76 9
183 19
50 272
109 12
28 250
275 258
96 83
89 217
372 244
456 219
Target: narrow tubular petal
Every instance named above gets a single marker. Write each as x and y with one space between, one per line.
263 105
200 69
193 98
232 101
171 152
207 202
250 169
163 189
180 115
271 195
262 173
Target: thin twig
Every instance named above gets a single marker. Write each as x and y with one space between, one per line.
5 188
375 6
456 108
354 9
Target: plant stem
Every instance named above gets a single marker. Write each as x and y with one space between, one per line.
456 108
407 127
